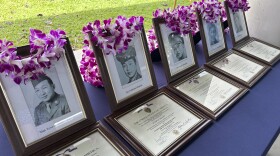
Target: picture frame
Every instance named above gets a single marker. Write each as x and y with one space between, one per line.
94 139
208 91
192 71
28 125
188 120
119 90
212 37
250 46
243 33
243 69
176 61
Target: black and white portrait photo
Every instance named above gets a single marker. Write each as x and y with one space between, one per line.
45 105
238 25
237 22
127 63
51 104
213 33
176 42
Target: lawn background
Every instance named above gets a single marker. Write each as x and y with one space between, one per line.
18 16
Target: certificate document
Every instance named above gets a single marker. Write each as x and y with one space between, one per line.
209 90
158 123
261 50
239 67
93 145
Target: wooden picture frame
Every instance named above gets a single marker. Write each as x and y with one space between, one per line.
111 83
150 107
214 89
21 126
263 68
216 46
180 67
250 46
191 71
243 37
101 135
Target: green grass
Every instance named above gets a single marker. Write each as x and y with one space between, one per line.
17 16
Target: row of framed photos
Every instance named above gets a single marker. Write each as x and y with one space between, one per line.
53 116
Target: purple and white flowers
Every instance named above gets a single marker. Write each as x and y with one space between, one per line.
152 39
112 38
43 49
182 19
235 5
89 68
210 10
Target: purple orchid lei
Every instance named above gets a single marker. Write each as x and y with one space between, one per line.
182 19
211 10
44 48
114 37
152 39
89 68
235 5
111 38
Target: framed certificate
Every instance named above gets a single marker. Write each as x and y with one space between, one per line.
129 75
206 90
212 36
39 112
176 50
92 140
255 48
158 124
239 67
209 91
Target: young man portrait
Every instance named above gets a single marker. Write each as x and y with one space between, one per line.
176 42
52 105
237 22
129 64
213 33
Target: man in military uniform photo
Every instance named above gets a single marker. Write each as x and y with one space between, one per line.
52 105
129 64
176 42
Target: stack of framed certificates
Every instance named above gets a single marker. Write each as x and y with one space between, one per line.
205 89
233 64
242 42
154 122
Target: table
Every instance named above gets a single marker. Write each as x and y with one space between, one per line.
244 130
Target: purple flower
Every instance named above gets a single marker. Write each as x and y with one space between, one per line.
152 40
182 19
210 10
235 5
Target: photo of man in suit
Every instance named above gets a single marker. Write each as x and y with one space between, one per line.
129 64
52 105
176 42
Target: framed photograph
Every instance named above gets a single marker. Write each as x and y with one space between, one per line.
92 140
176 51
129 75
241 68
39 112
212 36
237 25
208 91
255 48
158 124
